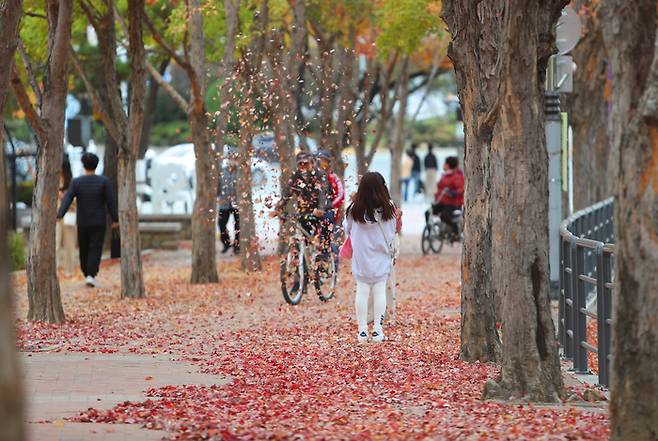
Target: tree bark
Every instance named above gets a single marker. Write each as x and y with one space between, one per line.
630 37
11 393
398 138
43 287
132 282
249 247
204 267
500 51
149 114
588 113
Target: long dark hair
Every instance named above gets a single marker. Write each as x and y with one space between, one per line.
67 175
371 195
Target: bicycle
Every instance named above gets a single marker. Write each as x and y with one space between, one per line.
302 251
436 232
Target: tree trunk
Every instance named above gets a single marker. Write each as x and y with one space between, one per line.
11 393
45 303
588 113
132 283
500 51
204 267
249 246
398 139
630 36
110 171
149 114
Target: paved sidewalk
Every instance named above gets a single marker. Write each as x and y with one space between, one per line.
60 385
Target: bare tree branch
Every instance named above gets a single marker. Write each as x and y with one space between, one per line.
36 123
30 72
182 102
108 123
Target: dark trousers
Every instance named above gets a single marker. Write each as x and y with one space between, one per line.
223 218
90 241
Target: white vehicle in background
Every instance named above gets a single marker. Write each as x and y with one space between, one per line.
168 179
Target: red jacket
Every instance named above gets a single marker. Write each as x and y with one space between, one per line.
453 184
337 195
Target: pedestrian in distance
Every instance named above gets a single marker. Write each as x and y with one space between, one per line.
416 170
449 195
336 195
65 234
406 172
431 171
93 195
371 225
228 206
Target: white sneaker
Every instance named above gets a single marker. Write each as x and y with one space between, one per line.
362 337
378 336
90 281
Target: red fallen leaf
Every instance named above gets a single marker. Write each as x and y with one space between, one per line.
148 378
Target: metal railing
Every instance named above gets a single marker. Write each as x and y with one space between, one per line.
586 273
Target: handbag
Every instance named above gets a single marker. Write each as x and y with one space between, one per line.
346 251
69 218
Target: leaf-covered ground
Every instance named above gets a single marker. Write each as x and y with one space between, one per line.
297 372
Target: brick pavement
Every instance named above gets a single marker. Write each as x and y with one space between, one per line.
59 385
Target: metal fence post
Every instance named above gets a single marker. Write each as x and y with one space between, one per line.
601 330
605 319
580 321
568 297
561 305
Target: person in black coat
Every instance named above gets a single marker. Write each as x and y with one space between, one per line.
93 194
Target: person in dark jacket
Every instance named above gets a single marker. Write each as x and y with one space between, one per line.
431 169
228 205
93 194
416 170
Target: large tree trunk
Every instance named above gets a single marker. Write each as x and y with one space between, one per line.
588 113
501 49
477 95
132 283
398 138
45 303
204 267
632 45
11 393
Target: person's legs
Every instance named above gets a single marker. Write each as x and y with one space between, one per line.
236 221
379 305
83 244
222 221
96 238
361 303
405 189
68 249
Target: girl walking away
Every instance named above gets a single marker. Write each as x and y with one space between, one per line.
370 225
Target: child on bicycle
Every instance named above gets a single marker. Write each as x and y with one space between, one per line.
371 226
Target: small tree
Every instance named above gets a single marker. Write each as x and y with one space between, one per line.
124 129
47 122
632 44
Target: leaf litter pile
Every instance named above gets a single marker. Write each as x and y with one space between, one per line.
297 372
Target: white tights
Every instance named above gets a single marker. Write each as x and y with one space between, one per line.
363 291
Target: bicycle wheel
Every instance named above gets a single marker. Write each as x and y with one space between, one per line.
426 239
326 277
436 243
294 276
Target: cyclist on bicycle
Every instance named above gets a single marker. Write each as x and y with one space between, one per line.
336 194
449 194
308 186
